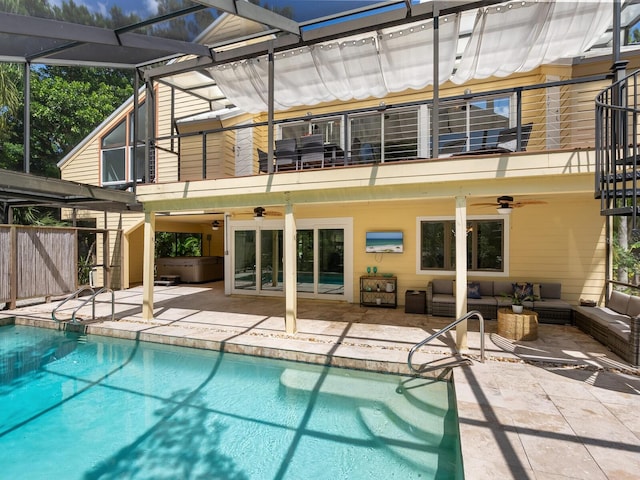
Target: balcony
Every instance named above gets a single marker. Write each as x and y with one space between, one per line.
550 116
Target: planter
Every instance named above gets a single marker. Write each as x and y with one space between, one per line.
517 308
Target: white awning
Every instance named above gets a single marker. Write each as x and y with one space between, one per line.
513 37
520 36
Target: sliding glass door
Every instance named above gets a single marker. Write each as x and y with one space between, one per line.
271 254
320 261
322 270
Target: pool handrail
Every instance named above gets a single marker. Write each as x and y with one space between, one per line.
445 330
92 297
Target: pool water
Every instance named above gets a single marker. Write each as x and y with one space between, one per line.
91 407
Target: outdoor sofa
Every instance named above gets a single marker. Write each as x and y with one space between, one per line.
488 296
617 325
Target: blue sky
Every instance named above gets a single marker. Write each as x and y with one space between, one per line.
303 9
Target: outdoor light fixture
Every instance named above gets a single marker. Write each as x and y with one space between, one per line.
258 214
215 225
504 207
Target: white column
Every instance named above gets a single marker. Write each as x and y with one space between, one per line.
461 271
148 265
290 270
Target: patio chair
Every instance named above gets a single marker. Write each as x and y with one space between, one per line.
311 151
451 144
263 161
369 153
355 151
286 154
508 138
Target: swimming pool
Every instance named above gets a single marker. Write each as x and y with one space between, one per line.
91 407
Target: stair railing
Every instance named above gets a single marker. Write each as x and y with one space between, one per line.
91 298
470 314
617 148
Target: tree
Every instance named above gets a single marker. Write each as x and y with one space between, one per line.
10 97
66 105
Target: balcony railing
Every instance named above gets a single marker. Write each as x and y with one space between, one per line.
556 115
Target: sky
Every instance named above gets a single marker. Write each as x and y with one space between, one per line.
303 9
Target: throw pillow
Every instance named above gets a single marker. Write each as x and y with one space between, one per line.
537 291
523 289
473 290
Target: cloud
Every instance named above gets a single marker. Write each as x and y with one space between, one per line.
152 6
101 7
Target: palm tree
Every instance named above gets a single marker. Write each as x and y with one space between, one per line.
9 90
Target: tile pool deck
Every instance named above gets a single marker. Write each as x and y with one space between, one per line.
560 407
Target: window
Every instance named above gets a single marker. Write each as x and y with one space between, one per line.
329 128
485 245
118 152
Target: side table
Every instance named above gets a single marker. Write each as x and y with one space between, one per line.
517 326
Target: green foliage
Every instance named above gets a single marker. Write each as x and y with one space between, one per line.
66 105
172 244
41 216
10 97
626 258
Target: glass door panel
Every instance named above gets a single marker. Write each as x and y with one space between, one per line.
245 260
305 260
271 267
331 261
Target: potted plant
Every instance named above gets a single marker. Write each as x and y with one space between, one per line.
519 294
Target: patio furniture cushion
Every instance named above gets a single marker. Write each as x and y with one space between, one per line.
618 302
442 286
473 290
502 288
633 307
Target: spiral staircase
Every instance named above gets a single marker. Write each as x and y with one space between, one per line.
618 149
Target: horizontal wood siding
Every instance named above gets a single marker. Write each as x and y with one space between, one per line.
562 242
84 167
578 114
185 105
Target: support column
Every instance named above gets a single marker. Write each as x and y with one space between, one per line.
270 107
435 117
461 271
148 265
290 270
27 118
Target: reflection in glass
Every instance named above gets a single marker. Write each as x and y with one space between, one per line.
331 261
305 261
245 260
271 268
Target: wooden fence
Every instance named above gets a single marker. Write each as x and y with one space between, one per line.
40 262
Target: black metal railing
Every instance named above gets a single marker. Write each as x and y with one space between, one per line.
555 115
617 149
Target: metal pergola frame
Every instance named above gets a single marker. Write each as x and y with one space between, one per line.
28 40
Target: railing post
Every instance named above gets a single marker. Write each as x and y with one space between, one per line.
519 119
204 155
435 113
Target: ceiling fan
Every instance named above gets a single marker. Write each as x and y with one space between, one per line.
506 203
259 213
